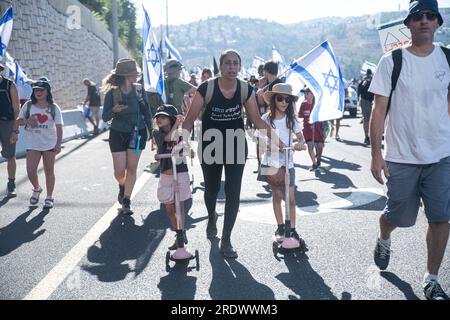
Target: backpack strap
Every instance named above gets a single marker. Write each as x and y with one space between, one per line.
447 54
209 90
117 95
397 58
244 91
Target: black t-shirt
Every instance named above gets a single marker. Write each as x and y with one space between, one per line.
94 96
224 115
166 147
363 90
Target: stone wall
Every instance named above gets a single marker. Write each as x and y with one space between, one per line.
62 40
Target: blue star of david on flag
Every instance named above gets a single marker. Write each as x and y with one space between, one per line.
328 76
156 59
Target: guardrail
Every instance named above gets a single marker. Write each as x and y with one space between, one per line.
75 126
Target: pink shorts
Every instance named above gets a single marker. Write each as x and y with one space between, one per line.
166 193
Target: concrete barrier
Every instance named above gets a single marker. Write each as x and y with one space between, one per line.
75 127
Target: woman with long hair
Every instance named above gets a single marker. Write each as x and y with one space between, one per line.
126 105
43 134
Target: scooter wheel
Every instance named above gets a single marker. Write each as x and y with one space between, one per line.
168 261
197 260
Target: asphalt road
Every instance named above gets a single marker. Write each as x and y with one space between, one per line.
83 250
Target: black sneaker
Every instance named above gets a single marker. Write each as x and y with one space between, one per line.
174 246
126 207
433 291
367 141
381 256
11 189
121 194
211 228
279 233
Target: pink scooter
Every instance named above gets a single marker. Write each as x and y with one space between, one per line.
182 253
288 244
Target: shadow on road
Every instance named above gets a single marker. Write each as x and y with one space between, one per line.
21 231
305 282
403 286
341 164
338 180
124 241
177 285
232 281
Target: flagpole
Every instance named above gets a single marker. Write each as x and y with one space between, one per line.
167 18
115 27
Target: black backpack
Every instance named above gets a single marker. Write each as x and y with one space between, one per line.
397 57
6 108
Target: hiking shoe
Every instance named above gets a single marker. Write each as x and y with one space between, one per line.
121 194
11 190
34 199
367 141
126 207
227 250
433 291
211 228
49 203
382 254
174 246
279 233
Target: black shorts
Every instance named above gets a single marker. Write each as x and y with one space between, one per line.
119 141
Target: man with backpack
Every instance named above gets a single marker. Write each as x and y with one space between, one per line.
9 110
94 99
365 98
176 88
411 87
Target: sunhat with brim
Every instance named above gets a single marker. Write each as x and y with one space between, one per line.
41 85
126 67
419 5
280 88
166 110
172 66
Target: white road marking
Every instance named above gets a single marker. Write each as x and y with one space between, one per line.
57 275
359 197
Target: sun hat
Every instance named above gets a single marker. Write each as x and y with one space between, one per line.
172 66
280 88
419 5
126 67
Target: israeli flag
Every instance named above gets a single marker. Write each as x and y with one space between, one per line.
153 71
368 65
19 77
320 71
6 26
276 56
172 50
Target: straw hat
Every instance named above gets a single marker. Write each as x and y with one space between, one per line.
126 67
280 88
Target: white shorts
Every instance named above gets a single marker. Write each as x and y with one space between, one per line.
166 190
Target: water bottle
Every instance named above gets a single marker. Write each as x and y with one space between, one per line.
133 138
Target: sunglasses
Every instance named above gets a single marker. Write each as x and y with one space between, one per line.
281 99
419 16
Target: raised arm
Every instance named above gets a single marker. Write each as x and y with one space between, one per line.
194 111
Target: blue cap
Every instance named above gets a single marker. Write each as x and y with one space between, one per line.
419 5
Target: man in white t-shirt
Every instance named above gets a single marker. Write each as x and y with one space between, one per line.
417 134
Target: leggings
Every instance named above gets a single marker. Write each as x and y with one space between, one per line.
212 174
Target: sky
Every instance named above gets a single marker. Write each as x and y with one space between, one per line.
281 11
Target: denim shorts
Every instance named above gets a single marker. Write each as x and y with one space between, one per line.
408 183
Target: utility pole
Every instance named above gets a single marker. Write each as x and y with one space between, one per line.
115 27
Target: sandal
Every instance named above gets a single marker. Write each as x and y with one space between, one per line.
35 196
49 203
